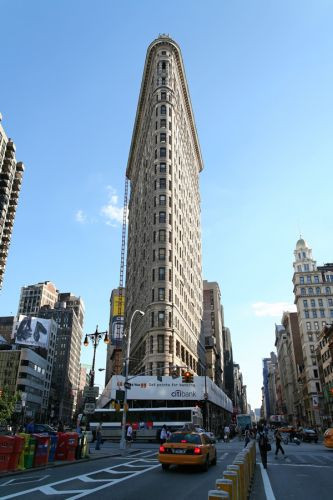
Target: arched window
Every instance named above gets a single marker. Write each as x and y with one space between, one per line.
318 291
163 109
162 217
310 290
328 290
302 291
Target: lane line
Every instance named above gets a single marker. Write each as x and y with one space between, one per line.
46 489
267 485
300 465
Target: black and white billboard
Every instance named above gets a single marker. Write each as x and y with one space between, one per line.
32 331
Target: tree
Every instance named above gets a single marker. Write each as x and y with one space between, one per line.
7 404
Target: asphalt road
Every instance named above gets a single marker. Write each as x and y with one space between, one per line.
138 477
305 473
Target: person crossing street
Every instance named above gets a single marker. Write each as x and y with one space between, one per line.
278 439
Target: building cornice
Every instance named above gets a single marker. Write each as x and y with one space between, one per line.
153 47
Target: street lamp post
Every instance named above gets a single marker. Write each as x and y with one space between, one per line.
95 338
123 437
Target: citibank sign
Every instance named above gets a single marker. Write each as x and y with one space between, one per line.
184 394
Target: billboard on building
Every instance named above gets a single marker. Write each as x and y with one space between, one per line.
149 388
118 305
32 331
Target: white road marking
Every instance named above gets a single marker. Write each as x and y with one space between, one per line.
222 457
299 465
49 489
267 485
16 481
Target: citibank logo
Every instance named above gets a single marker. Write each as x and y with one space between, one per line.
183 394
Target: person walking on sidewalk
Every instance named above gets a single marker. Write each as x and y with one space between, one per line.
98 437
264 446
278 439
129 435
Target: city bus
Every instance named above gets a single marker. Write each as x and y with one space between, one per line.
146 422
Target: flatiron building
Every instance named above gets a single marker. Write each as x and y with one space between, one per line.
163 268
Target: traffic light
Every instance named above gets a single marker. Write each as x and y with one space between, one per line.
331 391
187 377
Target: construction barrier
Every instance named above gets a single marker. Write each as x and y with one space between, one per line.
238 477
224 485
217 494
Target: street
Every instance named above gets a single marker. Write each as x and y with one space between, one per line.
305 472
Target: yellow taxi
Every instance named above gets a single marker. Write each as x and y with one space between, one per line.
187 448
328 438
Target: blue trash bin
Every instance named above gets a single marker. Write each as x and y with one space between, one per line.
53 447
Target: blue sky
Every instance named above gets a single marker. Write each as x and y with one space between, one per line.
260 75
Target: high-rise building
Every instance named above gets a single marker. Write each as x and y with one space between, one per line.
11 173
68 313
33 297
313 290
163 274
213 329
228 364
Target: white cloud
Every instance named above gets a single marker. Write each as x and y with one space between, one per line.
112 212
80 217
274 309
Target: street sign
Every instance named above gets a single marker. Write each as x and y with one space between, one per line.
127 385
120 396
89 408
18 407
91 392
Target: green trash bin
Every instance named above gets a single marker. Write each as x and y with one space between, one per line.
25 450
29 455
84 446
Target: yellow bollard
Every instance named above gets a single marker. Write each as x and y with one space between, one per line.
241 464
225 485
236 469
249 470
230 474
244 457
217 494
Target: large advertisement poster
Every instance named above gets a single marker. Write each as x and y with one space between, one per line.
32 331
118 306
149 388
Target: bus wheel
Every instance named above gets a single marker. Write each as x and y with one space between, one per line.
165 466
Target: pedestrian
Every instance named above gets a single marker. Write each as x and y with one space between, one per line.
163 435
168 433
98 436
278 439
129 434
247 436
264 446
226 433
30 427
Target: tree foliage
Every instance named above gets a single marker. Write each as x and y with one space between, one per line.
7 405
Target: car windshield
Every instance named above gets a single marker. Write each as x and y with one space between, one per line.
185 438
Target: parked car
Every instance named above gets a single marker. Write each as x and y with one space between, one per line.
328 438
44 429
309 435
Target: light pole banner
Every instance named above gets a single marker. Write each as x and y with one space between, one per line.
148 387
